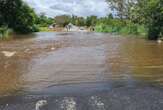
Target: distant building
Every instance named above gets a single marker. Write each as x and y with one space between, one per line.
62 20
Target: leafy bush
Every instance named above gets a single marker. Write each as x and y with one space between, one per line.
150 13
17 15
119 26
43 21
5 32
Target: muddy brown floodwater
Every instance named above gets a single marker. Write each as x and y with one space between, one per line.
81 71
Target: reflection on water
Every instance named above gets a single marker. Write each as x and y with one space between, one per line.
51 59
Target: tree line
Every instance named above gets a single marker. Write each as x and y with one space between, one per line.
128 16
18 16
64 20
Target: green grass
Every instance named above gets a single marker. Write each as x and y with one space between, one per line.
44 29
128 29
5 33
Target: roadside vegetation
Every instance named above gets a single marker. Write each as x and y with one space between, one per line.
110 25
137 17
16 15
5 32
42 22
107 24
146 13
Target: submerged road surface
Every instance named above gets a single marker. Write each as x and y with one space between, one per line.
81 71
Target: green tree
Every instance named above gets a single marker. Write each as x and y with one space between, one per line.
150 13
80 21
43 20
91 20
110 16
17 15
121 7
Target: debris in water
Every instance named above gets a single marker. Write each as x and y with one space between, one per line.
27 50
40 104
159 41
52 48
8 54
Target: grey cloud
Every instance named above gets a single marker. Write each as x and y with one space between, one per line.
75 7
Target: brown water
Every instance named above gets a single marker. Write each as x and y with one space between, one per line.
45 60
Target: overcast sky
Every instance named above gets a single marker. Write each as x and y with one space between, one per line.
72 7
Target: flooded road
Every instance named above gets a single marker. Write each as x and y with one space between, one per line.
81 71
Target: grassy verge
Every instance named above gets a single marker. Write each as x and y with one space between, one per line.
44 29
121 27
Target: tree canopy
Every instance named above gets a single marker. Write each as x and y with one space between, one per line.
150 13
17 15
146 12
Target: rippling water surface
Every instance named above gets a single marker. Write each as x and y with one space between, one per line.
69 63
